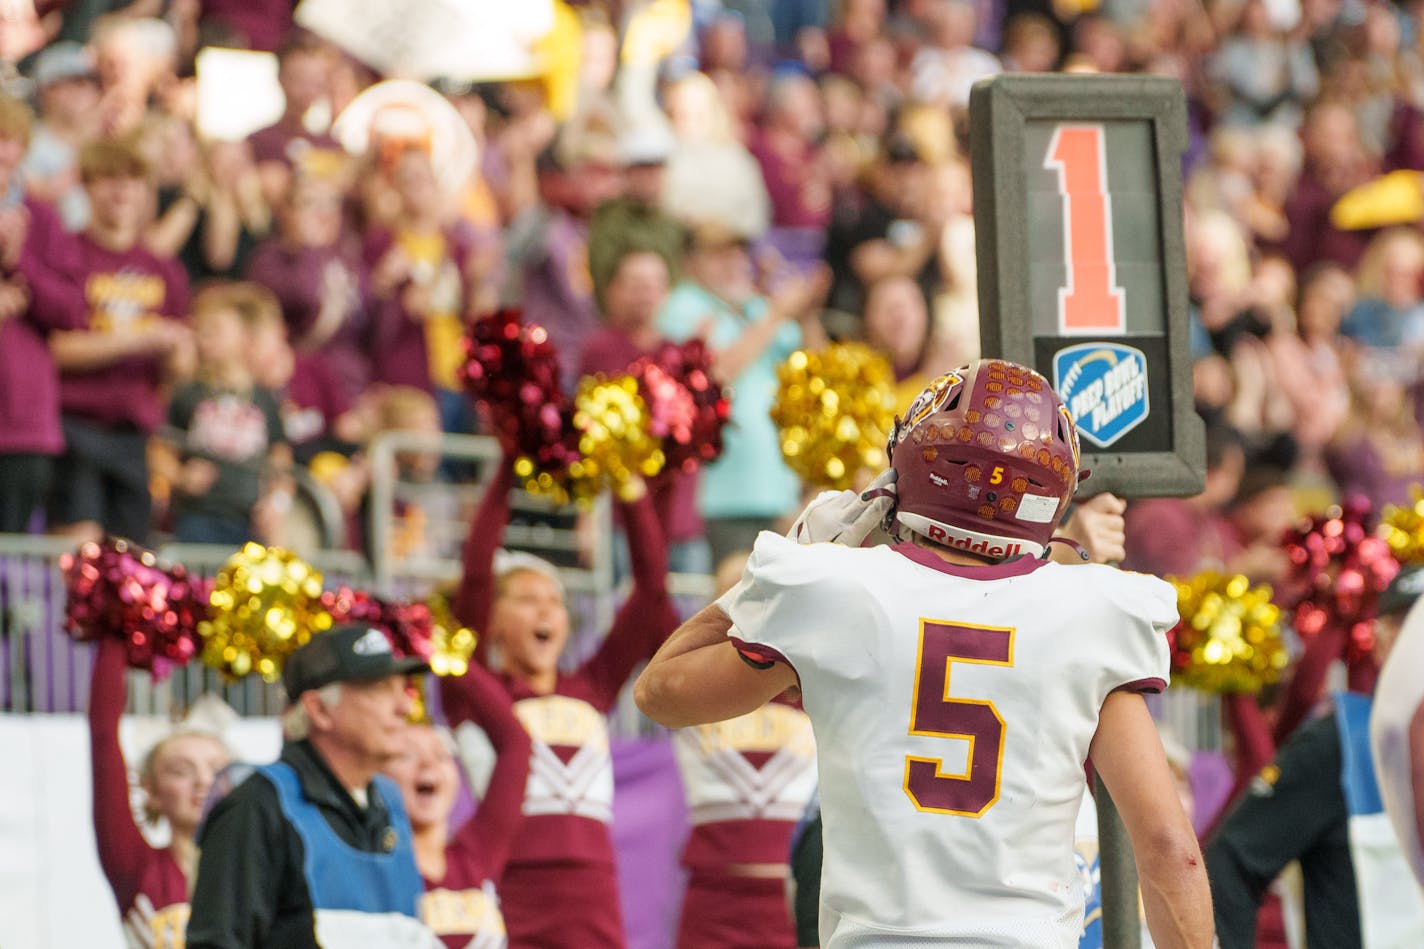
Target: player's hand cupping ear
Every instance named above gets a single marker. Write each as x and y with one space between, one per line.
845 517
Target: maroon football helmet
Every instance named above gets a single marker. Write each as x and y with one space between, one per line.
987 460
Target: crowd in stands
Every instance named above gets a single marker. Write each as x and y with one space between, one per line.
189 316
193 325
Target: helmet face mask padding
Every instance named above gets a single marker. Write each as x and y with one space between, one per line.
987 460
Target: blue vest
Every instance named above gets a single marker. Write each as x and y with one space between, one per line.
339 876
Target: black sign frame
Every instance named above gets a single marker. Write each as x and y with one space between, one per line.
1000 111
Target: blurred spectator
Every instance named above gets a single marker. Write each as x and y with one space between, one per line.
897 323
1031 44
67 91
316 412
316 271
305 66
1390 280
211 212
636 292
1325 296
417 272
258 24
785 144
710 174
1378 453
135 59
548 244
1180 536
635 218
33 304
1261 73
224 451
134 338
749 486
889 227
857 24
1334 161
949 64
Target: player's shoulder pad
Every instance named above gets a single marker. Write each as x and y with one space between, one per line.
1138 595
777 562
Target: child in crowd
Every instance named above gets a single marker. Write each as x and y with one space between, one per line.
225 449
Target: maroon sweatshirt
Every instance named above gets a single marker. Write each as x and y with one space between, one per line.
118 289
29 381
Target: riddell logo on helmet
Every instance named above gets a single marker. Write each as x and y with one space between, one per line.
982 547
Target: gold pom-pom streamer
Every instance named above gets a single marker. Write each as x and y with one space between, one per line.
834 410
1403 528
615 447
451 643
1229 638
266 602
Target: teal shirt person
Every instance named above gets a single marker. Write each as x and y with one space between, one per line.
750 479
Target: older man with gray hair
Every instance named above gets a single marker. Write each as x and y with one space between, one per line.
315 849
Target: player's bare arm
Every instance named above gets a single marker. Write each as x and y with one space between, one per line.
1127 756
699 677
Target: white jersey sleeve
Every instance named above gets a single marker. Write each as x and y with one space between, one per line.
1399 701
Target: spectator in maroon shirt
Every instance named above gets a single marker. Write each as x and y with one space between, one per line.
785 147
150 884
112 371
461 864
418 269
635 294
549 242
33 303
304 69
1335 161
315 269
260 24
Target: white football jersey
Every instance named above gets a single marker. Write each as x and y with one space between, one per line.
953 708
1399 696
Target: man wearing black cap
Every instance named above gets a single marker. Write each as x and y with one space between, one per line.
1318 802
315 849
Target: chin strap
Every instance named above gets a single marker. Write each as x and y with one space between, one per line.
1082 551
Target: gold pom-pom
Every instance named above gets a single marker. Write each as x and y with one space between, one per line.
1403 528
451 643
266 602
1229 638
615 447
834 410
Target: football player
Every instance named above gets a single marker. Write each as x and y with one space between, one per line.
956 682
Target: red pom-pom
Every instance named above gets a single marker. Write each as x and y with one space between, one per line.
687 408
118 589
409 626
1338 570
511 369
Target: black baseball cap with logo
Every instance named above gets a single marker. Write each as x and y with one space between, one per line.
1402 591
346 653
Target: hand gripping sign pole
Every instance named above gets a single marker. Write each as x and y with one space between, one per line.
1082 275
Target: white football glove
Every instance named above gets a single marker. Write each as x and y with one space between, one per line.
846 517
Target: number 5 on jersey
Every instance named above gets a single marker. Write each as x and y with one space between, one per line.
935 714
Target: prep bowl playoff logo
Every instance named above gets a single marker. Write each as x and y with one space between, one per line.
1104 387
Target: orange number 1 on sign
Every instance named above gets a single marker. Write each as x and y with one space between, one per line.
1091 302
